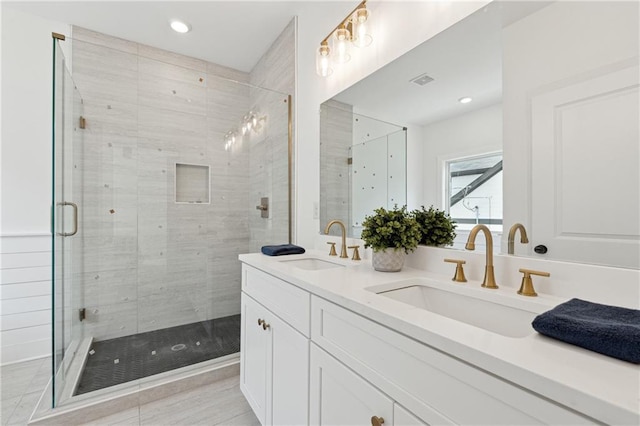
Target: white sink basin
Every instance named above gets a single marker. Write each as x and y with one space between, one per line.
492 312
312 264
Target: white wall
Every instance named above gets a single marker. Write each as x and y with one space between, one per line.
416 171
25 185
474 133
397 27
25 298
26 121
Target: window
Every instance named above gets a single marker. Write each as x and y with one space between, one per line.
474 191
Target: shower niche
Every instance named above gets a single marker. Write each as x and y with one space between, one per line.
192 183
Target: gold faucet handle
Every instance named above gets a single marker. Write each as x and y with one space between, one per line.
356 253
526 288
332 250
459 275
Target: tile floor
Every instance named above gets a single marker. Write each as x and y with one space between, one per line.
219 403
21 385
128 358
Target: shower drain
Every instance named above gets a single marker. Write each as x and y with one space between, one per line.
178 347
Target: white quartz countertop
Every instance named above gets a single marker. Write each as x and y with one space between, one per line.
598 386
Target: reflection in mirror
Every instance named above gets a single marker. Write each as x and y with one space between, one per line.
554 89
422 90
364 166
474 192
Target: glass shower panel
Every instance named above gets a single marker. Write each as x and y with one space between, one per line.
378 176
268 142
67 140
362 166
168 185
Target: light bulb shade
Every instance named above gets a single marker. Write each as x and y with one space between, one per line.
180 27
360 23
340 41
323 62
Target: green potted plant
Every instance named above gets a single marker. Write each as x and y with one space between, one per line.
437 227
391 234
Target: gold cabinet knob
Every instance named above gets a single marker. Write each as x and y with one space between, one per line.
263 323
459 274
377 421
526 288
332 250
356 253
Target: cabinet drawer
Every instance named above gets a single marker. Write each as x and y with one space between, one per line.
402 417
436 387
287 301
340 397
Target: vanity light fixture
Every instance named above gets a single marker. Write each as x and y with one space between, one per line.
465 100
334 48
180 27
340 45
323 62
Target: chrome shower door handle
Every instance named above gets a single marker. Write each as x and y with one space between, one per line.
75 219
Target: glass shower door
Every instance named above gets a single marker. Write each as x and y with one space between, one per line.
269 168
66 132
378 176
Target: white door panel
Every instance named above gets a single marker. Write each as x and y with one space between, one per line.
586 169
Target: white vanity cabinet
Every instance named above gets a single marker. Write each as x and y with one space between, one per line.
274 361
400 374
402 417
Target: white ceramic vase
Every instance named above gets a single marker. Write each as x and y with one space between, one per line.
388 260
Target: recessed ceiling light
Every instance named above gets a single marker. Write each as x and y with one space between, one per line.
465 100
180 27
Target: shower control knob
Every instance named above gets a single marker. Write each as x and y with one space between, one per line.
540 249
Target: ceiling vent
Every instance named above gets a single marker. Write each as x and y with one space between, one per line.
422 79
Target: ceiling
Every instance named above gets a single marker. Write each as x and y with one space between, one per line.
231 33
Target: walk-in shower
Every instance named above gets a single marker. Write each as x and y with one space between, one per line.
161 165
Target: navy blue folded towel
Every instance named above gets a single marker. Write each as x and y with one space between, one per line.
282 249
609 330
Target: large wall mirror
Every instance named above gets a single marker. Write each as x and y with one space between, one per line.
550 137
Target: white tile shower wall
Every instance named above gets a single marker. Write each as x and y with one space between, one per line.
25 297
149 263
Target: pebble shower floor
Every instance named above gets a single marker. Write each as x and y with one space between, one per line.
114 361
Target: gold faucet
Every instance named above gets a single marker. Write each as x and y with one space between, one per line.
489 280
512 237
343 250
